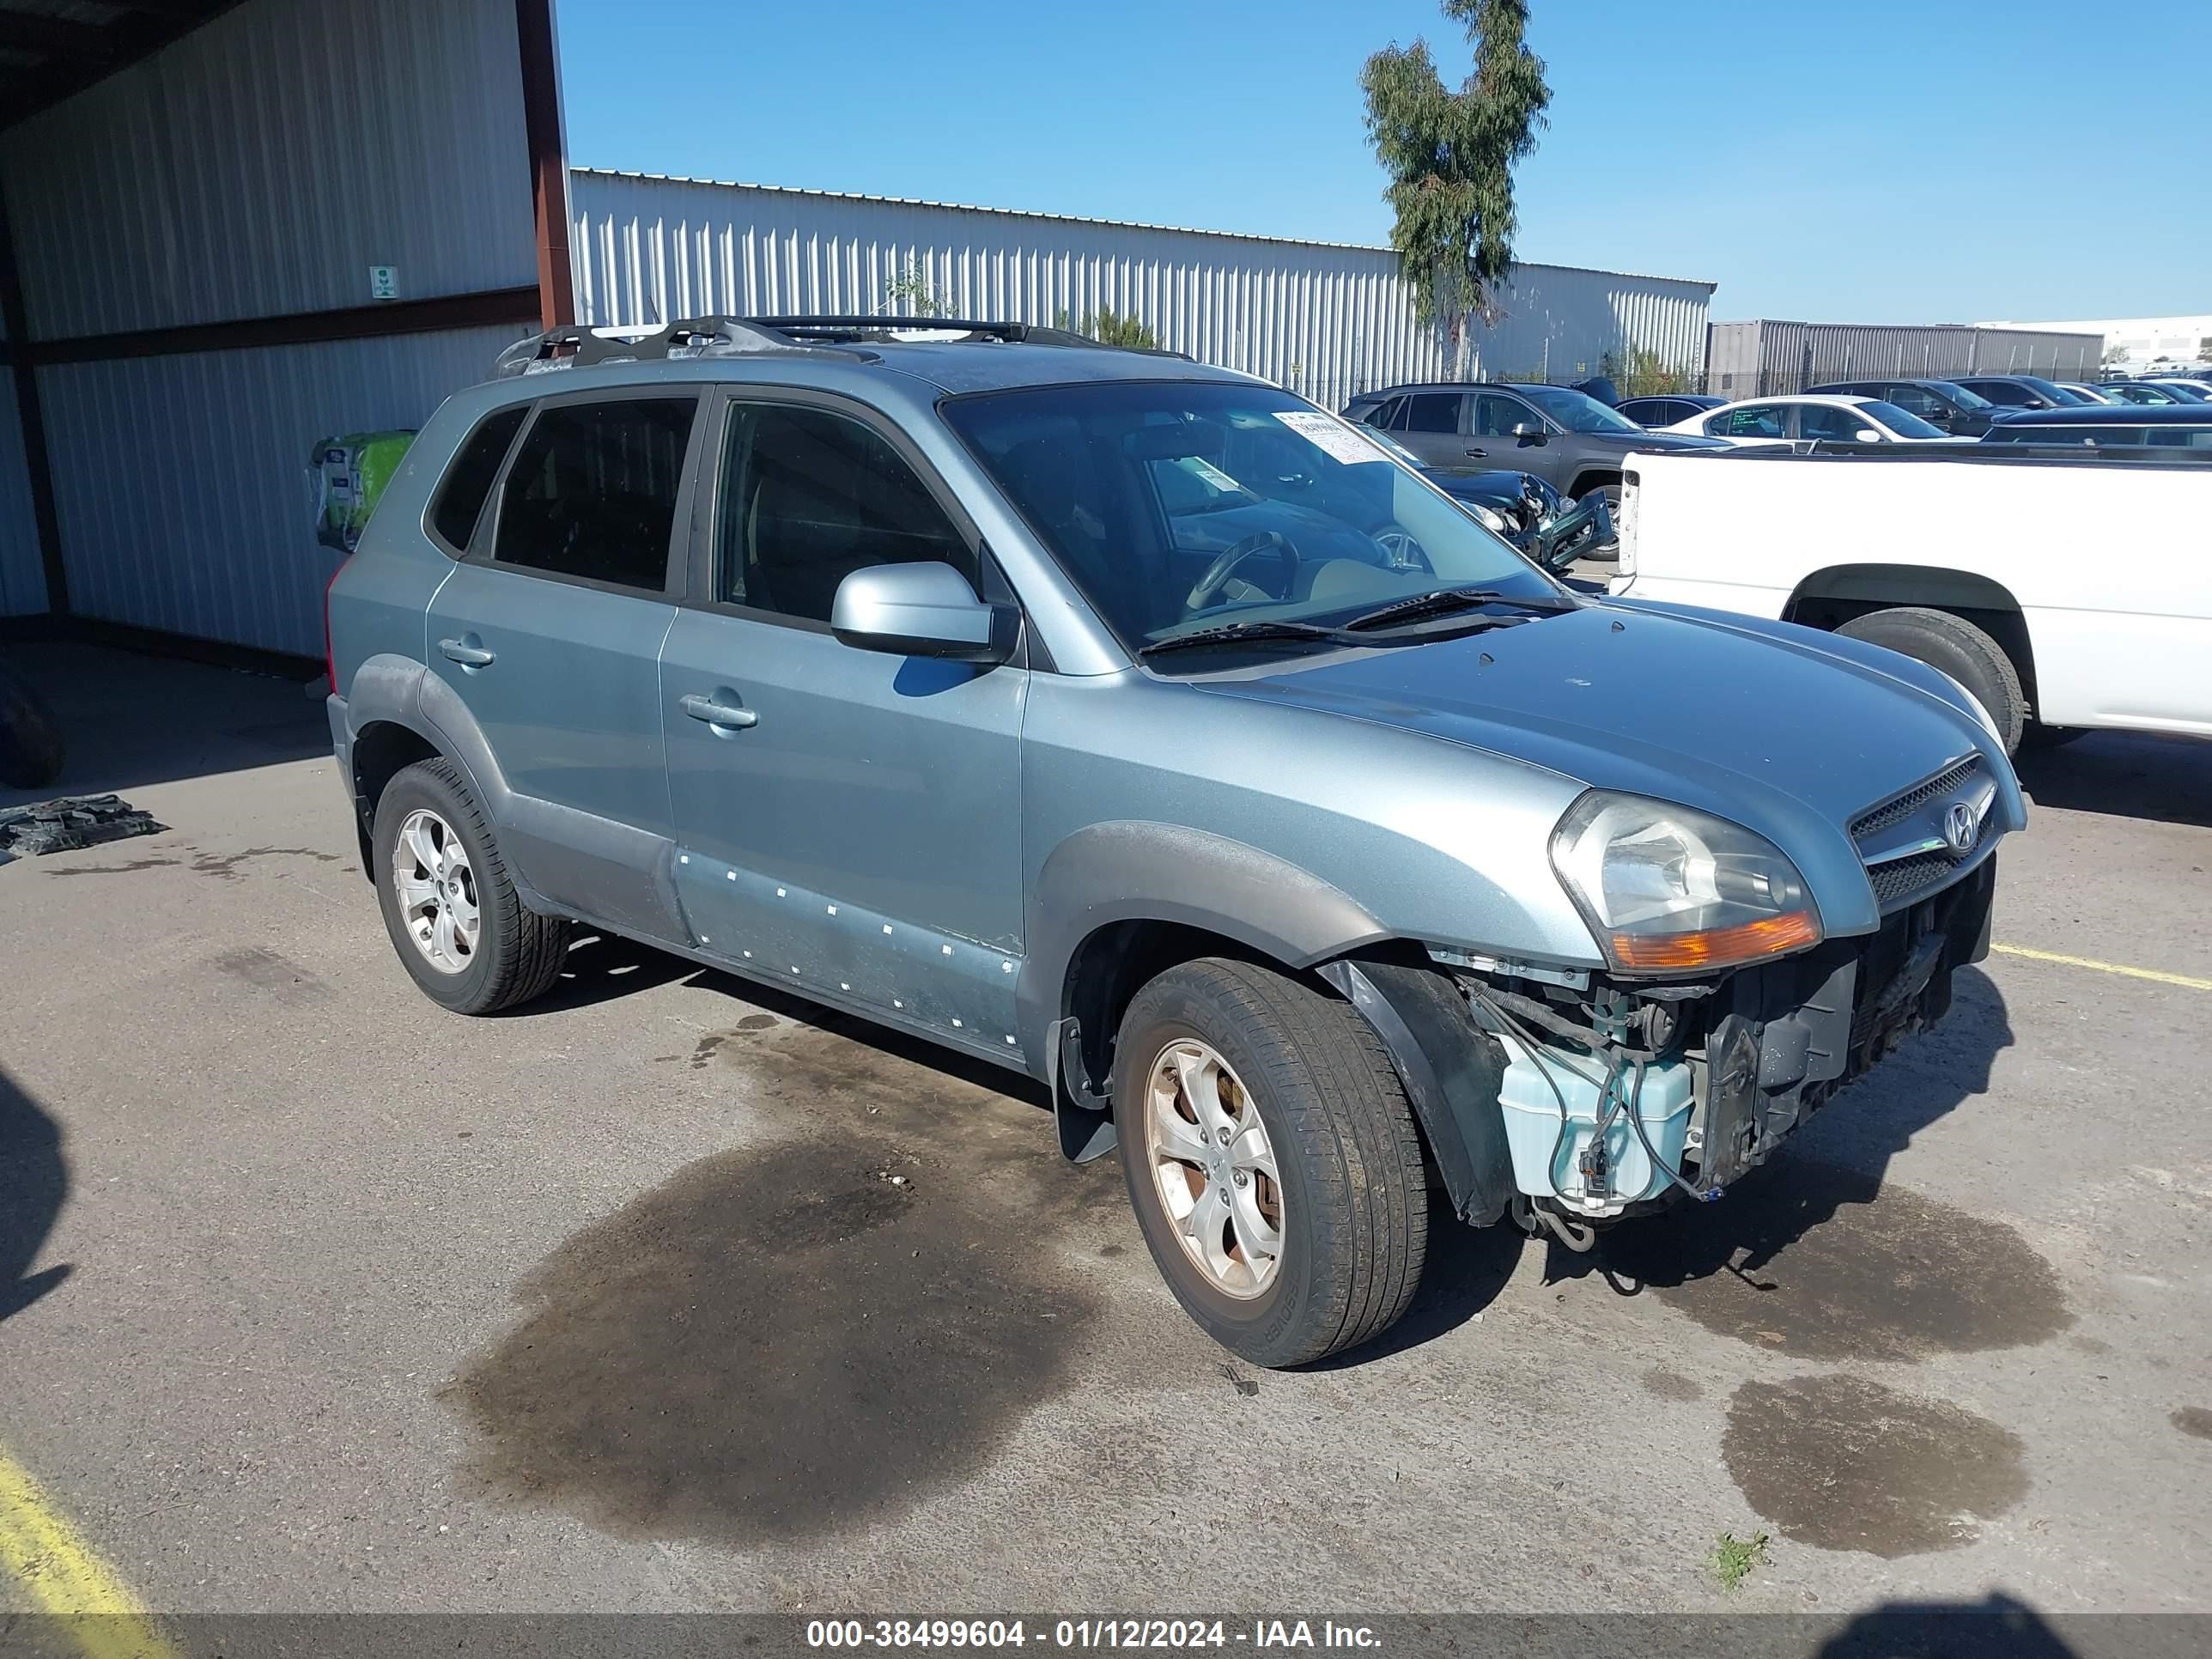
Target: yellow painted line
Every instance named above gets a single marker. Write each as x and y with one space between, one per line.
2091 963
64 1576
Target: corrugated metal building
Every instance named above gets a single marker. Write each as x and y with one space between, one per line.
1326 319
186 259
1755 359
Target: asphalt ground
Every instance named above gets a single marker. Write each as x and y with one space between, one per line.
316 1298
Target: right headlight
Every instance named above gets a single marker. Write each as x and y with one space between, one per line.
1667 888
1493 520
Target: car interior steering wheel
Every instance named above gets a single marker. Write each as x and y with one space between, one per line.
1217 573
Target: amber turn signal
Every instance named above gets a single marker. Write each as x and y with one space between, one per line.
1720 947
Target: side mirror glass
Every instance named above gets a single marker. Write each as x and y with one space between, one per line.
921 610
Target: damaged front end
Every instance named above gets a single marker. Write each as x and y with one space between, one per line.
1567 1097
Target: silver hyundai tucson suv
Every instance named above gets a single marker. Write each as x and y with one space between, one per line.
1142 728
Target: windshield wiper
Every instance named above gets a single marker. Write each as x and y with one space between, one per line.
1236 633
1453 599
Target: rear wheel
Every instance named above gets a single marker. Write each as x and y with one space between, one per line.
1960 650
459 927
1272 1159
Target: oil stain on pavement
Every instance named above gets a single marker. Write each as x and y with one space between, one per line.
781 1343
1842 1464
2193 1421
1821 1261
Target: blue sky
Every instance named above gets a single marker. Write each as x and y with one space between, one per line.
1868 162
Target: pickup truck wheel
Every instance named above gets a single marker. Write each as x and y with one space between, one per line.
1272 1159
460 929
1960 650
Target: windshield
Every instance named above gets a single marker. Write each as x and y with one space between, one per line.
1577 411
1182 505
1903 422
1959 395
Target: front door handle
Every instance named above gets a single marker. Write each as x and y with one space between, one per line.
699 707
1478 452
468 656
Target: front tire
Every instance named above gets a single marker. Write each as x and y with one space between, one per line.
1960 650
1272 1160
462 931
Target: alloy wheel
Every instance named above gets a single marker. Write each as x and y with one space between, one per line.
1214 1168
437 889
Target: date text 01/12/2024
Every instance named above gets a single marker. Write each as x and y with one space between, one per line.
1084 1633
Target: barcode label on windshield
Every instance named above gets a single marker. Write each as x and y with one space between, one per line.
1331 436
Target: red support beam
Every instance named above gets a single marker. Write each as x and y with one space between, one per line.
548 159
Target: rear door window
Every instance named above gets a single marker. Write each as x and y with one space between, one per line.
1763 422
1432 412
592 490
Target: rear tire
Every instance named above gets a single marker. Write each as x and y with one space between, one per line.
1343 1160
30 742
513 954
1960 650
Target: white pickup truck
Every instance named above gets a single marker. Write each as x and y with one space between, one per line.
2064 594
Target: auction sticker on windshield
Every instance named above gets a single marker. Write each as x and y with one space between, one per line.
1330 435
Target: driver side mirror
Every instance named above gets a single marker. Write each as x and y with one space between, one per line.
921 611
1867 435
1528 432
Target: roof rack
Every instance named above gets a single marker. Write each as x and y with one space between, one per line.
576 346
573 345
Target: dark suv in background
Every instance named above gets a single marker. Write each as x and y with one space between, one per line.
2022 391
1944 403
1567 438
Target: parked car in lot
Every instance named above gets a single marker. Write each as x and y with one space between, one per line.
2087 394
1981 560
2021 391
2169 426
1654 413
1808 418
1349 860
1522 508
2154 393
1942 403
2203 388
1567 438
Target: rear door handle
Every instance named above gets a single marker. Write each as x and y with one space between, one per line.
1478 452
702 708
468 656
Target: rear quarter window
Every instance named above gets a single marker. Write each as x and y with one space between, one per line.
461 494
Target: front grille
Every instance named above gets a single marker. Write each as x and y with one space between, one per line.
1897 810
1901 878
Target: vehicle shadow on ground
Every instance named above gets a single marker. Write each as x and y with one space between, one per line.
33 1186
1998 1626
599 967
128 720
1825 1197
2124 775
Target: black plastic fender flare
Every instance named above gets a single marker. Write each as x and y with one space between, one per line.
1452 1071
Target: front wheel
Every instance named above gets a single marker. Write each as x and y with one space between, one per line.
1272 1159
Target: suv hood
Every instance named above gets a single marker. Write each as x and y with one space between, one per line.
1770 725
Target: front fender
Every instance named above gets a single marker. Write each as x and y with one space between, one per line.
1134 871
